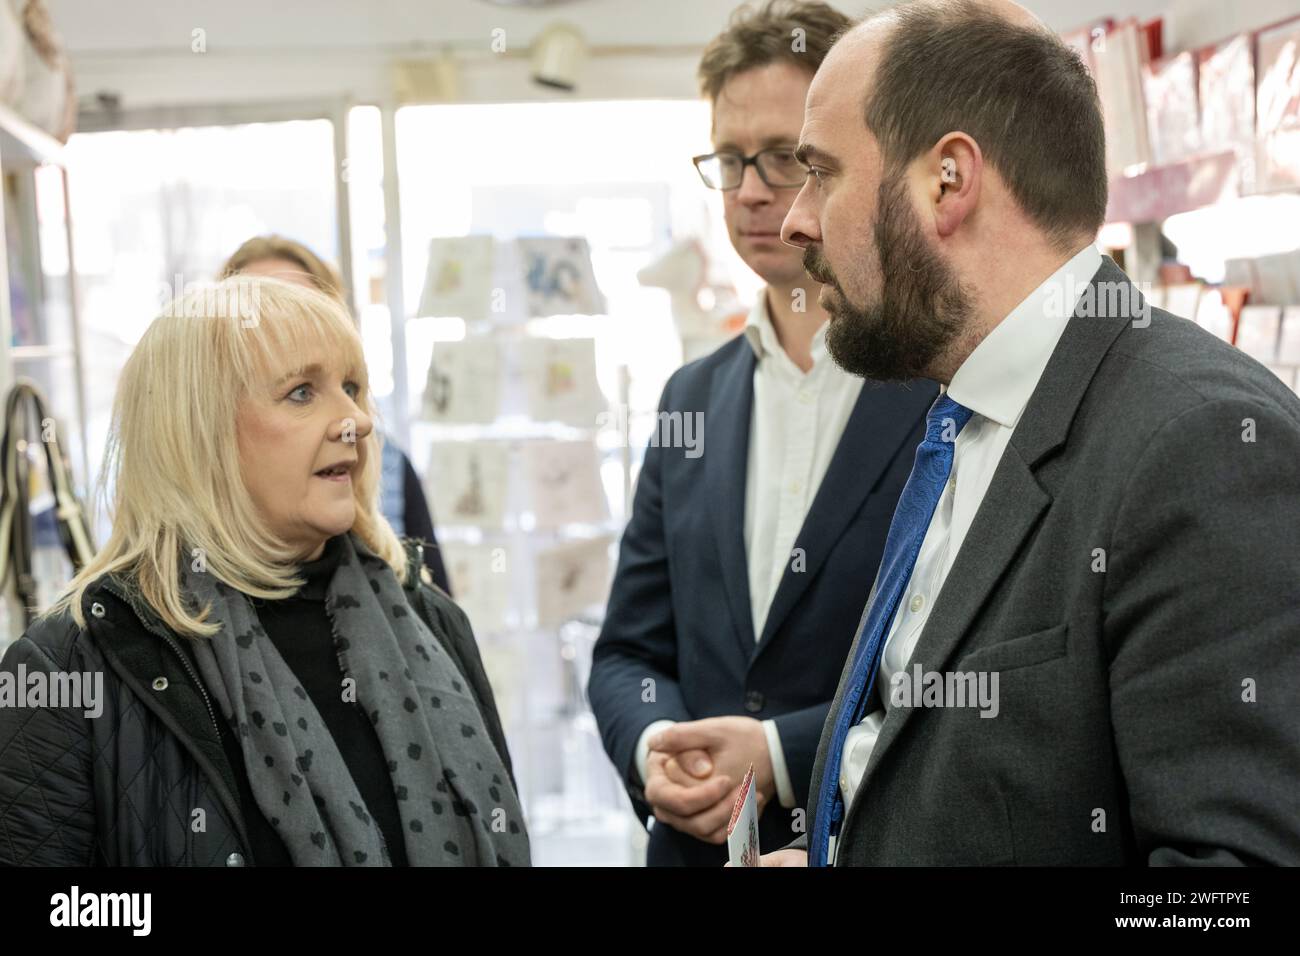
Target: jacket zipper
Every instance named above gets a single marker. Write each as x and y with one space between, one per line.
185 662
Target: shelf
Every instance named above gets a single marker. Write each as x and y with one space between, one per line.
1154 193
23 144
1158 192
452 532
31 353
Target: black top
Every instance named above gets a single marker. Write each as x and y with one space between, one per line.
299 627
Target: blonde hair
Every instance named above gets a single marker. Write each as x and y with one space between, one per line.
172 458
262 248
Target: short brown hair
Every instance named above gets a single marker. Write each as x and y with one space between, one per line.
758 37
261 248
1018 91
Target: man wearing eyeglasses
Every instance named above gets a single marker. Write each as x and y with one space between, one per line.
742 570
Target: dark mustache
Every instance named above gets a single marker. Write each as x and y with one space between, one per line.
816 266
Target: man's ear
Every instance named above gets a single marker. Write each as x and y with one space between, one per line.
952 172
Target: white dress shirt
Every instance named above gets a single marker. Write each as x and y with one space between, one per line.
795 425
995 383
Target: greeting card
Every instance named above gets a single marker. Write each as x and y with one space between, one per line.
1288 346
1117 62
742 830
458 278
563 479
560 380
467 482
572 577
1278 107
1213 315
481 582
1257 331
1172 117
559 276
1227 87
1183 299
464 382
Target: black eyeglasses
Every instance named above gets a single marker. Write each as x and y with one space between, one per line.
776 166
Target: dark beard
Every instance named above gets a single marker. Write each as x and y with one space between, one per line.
921 309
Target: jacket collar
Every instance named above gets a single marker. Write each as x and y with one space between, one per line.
151 661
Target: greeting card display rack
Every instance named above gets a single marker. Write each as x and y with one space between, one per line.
519 489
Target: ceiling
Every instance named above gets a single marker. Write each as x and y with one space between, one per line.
137 53
94 26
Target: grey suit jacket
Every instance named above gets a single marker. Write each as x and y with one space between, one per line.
1149 713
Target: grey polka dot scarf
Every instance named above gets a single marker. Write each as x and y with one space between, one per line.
455 799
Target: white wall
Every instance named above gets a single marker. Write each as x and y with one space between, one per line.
1197 23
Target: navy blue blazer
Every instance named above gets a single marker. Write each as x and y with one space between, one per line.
679 612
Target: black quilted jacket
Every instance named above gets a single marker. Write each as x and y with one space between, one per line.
121 789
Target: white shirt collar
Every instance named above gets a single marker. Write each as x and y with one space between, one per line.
758 327
999 376
761 333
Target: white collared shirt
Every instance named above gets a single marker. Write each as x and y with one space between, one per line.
795 425
796 422
995 382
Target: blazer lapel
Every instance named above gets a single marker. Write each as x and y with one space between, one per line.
731 400
1013 505
1015 501
881 421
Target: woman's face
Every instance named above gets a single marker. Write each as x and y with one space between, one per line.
299 419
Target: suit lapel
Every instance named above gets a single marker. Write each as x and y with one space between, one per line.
1015 501
731 400
1011 508
881 421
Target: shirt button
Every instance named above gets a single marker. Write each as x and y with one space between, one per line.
754 701
235 859
918 602
806 398
796 487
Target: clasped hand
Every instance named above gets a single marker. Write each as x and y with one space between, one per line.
695 768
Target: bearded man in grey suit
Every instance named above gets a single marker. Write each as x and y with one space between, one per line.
1083 642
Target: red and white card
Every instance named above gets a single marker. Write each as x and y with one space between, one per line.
742 831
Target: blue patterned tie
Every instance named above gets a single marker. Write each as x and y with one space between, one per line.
906 532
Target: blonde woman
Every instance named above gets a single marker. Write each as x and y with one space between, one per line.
278 684
401 498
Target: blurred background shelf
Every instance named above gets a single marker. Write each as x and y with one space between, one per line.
40 327
22 144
